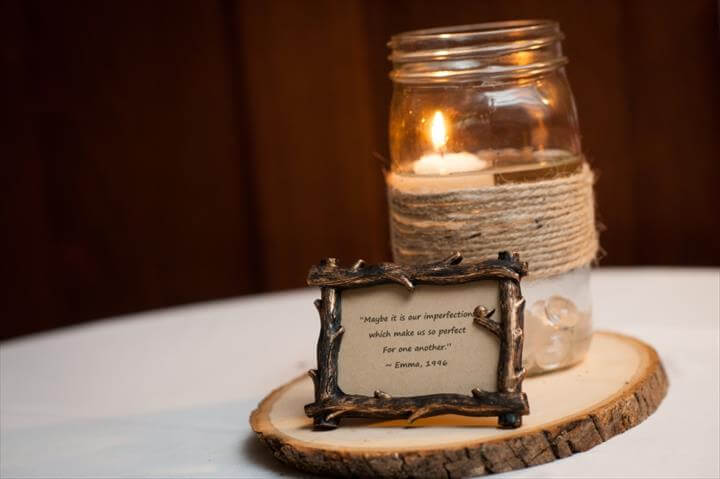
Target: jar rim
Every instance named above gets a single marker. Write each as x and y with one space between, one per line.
497 50
476 30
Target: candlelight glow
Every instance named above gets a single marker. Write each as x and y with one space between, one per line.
438 134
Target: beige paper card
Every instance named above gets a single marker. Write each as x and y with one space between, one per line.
417 343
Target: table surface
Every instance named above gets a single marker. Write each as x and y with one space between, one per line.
168 393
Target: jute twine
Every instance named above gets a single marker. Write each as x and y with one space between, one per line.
551 223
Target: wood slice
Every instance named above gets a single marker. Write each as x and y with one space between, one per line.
621 383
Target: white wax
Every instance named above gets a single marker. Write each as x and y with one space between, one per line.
444 164
433 173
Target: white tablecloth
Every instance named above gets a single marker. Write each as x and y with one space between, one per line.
168 393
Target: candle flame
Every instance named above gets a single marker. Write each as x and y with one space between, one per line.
438 133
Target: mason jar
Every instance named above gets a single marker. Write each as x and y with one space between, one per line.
486 157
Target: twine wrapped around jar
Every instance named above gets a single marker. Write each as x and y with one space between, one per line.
551 223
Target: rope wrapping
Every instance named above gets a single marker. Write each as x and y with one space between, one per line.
551 223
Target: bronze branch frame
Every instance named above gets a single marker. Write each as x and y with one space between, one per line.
509 403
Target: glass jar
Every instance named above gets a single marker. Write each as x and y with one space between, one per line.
479 107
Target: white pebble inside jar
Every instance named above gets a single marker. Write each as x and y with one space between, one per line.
558 320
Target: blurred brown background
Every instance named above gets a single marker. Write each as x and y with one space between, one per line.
158 153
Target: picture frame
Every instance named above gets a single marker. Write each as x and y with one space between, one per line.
509 403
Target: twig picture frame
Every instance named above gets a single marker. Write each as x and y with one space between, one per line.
507 402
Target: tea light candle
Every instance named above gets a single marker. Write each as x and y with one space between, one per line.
438 172
447 163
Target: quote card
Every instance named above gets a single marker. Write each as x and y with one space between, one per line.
416 343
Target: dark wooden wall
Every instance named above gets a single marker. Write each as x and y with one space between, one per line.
164 152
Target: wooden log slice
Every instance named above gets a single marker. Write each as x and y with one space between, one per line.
621 383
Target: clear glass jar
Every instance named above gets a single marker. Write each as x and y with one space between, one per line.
489 104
